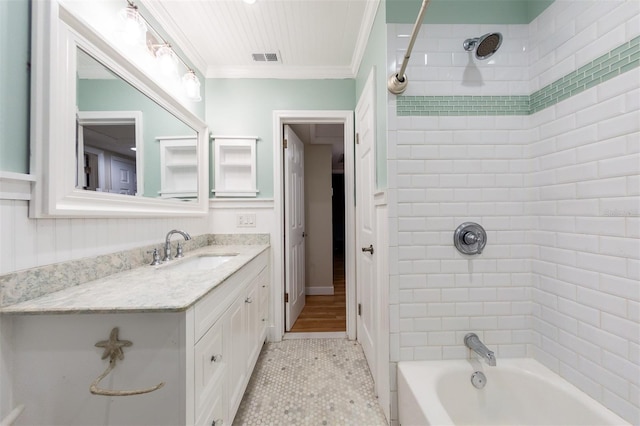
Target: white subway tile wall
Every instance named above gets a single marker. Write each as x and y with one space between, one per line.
557 192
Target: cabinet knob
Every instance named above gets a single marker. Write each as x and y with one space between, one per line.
248 300
216 358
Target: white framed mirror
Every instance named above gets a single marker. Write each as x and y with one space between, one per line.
96 118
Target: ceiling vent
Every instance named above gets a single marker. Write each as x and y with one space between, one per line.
265 57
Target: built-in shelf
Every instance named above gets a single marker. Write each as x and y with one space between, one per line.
178 166
234 166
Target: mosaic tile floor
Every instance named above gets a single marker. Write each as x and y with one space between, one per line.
311 382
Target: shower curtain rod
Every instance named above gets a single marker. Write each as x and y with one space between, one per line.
397 82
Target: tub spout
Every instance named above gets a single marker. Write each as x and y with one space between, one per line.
472 341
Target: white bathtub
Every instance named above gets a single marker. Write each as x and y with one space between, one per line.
517 392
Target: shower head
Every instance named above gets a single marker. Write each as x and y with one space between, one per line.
485 46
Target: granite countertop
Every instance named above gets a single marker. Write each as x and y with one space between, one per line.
144 289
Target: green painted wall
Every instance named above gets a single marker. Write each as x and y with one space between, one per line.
245 107
114 95
375 57
14 85
466 11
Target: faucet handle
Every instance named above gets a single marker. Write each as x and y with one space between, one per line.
179 251
156 257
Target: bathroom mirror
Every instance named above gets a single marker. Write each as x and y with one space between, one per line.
99 126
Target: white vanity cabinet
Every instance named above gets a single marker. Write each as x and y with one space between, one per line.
204 354
227 353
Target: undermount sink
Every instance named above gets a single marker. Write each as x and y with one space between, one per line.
200 263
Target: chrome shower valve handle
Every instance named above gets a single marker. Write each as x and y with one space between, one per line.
470 238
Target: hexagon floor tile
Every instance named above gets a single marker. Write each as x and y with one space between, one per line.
311 382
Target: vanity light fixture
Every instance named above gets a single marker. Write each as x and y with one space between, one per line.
135 29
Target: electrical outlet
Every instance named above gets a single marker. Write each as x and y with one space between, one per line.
246 220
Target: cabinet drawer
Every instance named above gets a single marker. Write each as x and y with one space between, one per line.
210 367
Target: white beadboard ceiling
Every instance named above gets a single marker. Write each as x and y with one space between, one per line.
312 38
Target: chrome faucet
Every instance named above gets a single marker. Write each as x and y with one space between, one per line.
472 341
167 243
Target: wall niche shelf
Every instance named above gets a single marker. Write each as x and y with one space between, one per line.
235 166
178 167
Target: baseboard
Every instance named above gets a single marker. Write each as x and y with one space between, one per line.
319 291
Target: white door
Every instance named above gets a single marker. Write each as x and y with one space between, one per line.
293 226
123 176
365 223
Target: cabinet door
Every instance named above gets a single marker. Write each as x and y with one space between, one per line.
236 330
214 414
254 323
263 286
210 372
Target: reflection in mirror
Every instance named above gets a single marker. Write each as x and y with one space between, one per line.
107 164
107 151
118 132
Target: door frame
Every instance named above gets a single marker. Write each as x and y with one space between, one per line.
280 118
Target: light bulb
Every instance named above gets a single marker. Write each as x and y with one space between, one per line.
166 60
133 26
191 85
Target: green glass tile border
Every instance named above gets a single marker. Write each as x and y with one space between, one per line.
619 60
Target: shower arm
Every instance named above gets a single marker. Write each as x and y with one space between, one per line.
397 82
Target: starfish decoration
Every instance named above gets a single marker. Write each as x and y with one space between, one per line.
113 346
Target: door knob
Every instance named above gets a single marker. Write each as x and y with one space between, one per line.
368 249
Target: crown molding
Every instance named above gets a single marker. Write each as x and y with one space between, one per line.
363 36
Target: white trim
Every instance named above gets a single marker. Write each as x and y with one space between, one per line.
363 36
381 371
6 176
319 291
227 193
316 335
289 72
380 198
233 204
233 137
277 244
15 186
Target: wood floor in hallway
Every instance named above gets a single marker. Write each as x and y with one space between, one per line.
325 313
